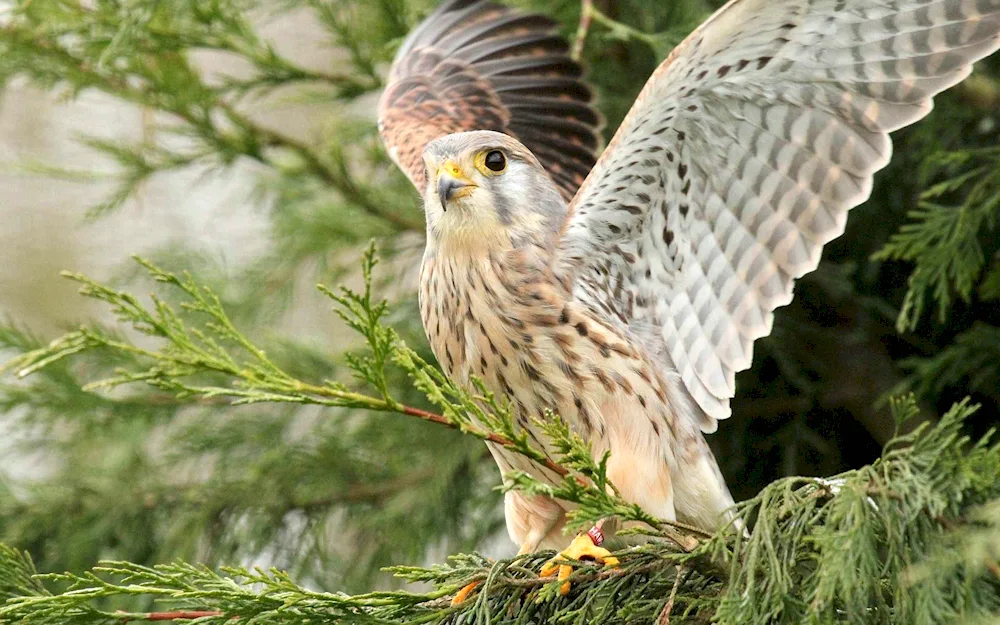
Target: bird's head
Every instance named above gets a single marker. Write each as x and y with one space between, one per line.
486 190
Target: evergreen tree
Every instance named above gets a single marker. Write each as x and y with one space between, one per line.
192 432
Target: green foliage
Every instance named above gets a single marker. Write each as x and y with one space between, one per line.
910 539
970 363
17 574
944 240
844 549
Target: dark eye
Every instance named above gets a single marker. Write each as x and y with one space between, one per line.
495 160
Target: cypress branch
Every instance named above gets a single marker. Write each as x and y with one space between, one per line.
930 505
943 240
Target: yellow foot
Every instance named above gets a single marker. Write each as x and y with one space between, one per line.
464 593
582 548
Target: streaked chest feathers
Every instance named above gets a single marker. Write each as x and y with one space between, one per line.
503 317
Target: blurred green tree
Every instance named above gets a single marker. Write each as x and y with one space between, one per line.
904 301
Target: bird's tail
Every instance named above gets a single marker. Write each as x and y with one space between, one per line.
701 496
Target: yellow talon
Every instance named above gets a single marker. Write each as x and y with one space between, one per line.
582 548
464 593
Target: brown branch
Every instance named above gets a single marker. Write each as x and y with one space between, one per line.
664 618
175 615
502 581
383 405
489 436
530 582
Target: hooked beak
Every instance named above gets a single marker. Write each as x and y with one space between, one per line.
451 183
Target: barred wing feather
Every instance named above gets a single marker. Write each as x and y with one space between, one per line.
740 160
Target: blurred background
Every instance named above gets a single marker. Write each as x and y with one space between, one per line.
236 139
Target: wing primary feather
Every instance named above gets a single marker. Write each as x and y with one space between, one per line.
540 65
505 25
492 49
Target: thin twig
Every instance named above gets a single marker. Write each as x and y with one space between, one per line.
622 30
685 542
586 18
603 574
490 436
381 405
664 618
175 615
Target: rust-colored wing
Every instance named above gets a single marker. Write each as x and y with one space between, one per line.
476 65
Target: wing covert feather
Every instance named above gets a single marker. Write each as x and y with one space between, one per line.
740 160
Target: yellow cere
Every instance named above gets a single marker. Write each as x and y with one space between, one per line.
451 168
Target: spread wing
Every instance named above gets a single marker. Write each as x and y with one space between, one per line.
740 160
475 65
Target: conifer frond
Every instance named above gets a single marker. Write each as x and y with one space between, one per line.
943 240
971 362
18 575
910 539
989 288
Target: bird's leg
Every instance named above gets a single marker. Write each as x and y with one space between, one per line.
530 545
464 593
585 546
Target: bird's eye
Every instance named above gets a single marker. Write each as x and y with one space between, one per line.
495 161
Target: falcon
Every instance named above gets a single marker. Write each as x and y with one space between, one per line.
624 293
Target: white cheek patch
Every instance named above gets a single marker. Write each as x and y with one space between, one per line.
469 222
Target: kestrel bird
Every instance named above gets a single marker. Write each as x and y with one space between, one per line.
624 295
